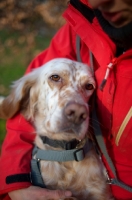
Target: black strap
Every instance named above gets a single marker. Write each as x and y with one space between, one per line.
83 9
15 178
67 145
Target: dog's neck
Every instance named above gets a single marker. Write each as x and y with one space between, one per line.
66 145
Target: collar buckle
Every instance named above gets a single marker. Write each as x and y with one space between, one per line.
79 154
71 144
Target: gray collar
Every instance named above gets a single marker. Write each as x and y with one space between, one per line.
76 154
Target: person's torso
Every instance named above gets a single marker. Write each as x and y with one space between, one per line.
114 103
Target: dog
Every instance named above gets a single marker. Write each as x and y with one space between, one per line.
54 98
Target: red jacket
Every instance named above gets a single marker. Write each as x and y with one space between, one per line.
114 103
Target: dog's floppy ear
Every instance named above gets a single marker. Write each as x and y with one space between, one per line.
19 96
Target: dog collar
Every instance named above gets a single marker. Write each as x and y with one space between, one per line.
76 154
67 145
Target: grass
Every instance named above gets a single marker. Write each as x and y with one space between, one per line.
16 53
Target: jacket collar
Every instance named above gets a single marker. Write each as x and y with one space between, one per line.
91 34
85 2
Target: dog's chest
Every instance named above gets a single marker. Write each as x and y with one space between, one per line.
57 174
75 176
64 176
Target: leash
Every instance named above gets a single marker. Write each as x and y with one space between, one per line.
97 129
100 141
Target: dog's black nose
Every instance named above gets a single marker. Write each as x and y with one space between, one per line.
75 112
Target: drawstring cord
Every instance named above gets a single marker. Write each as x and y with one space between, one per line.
112 64
109 68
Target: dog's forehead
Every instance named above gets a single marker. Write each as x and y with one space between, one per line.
68 66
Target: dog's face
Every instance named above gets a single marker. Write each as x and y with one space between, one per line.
55 98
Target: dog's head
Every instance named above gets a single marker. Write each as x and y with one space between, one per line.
53 97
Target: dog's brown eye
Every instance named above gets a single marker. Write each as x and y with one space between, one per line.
55 77
89 86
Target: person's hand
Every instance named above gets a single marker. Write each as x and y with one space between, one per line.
37 193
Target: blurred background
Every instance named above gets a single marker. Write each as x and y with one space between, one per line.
26 28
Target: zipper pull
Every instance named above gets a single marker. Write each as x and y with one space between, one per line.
109 68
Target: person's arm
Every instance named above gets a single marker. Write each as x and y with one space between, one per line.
17 147
37 193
